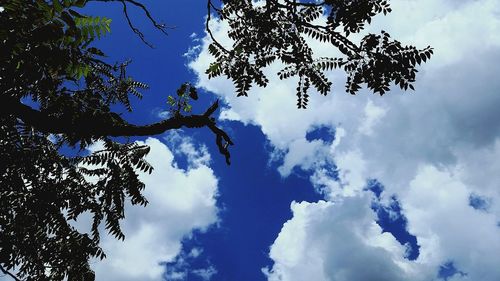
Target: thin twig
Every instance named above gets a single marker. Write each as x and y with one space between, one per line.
6 272
134 29
160 26
207 26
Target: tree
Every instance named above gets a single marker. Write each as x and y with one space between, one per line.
56 90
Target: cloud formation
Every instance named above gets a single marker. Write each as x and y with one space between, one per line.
432 149
336 241
179 202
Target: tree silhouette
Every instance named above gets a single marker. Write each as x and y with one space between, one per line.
56 90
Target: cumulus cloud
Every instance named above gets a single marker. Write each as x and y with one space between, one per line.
432 149
179 202
337 241
438 212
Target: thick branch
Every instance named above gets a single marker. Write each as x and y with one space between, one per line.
95 126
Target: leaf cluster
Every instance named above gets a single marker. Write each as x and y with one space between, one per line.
278 30
181 103
48 60
42 191
57 97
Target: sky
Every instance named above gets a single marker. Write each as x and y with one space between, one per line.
399 187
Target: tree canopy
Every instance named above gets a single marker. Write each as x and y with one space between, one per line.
57 90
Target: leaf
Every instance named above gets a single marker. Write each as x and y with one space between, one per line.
80 3
171 100
67 3
57 6
68 19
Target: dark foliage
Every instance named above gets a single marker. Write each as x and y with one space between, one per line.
48 62
276 30
56 90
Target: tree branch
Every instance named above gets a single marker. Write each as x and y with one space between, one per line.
210 5
295 3
349 44
6 272
160 26
94 126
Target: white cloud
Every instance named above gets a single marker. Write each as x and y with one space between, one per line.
436 205
302 153
179 201
432 148
205 273
373 115
337 241
182 268
185 147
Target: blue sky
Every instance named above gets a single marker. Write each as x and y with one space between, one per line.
353 188
253 200
403 187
